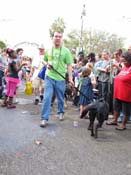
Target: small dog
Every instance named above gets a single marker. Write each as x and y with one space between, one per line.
98 109
68 92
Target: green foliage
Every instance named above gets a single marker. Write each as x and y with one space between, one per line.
72 41
58 25
2 45
93 41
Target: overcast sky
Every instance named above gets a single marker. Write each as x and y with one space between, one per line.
29 20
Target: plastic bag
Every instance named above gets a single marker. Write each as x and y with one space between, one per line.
28 88
41 74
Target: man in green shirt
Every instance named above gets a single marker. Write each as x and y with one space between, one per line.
60 59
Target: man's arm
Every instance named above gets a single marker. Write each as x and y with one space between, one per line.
69 69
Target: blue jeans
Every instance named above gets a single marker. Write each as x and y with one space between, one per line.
121 117
50 86
1 87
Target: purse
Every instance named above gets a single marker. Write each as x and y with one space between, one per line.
41 73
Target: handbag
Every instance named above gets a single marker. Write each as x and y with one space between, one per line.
41 73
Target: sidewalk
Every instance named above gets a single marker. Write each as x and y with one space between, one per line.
60 148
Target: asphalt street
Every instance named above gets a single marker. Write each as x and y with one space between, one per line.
61 148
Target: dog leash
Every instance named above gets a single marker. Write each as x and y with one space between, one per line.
77 89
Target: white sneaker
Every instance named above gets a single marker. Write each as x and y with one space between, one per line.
61 116
15 101
65 105
43 123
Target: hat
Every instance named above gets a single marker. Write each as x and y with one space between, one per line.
80 53
41 46
91 55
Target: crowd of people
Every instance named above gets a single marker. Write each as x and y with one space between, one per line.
84 78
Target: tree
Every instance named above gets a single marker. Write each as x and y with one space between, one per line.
58 25
93 41
2 45
72 41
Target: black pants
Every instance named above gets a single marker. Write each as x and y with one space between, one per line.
103 88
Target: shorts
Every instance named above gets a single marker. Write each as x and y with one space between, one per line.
37 83
122 106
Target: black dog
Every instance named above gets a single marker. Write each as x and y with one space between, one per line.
98 109
68 92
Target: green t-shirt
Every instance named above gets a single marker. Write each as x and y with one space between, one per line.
58 58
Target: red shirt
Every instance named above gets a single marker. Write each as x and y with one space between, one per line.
122 85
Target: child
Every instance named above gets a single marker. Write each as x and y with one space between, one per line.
86 89
92 76
12 79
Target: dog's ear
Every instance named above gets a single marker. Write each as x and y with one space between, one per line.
101 99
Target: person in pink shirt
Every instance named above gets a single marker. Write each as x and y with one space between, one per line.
122 92
12 78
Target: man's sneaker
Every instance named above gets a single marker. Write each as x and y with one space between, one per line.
36 101
65 104
61 116
41 98
43 123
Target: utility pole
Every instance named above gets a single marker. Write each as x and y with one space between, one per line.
81 31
